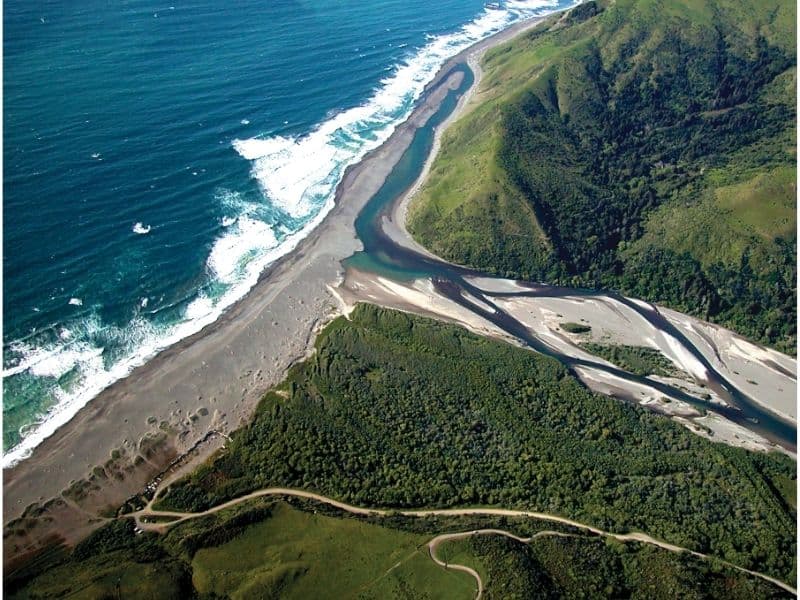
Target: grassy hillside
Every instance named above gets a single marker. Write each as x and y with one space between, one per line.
397 411
641 145
295 554
291 548
265 549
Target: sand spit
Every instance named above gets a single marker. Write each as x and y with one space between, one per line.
193 394
211 381
417 297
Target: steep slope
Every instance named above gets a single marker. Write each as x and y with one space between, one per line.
637 145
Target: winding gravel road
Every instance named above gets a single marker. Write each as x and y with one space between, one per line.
180 517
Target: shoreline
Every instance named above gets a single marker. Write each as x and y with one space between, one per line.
394 223
225 368
213 379
184 332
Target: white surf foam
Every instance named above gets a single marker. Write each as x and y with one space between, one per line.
199 308
49 361
144 339
93 376
298 175
230 253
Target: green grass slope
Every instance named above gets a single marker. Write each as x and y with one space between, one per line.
296 554
641 145
397 411
293 548
264 549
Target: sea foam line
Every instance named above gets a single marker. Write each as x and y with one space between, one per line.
297 175
97 378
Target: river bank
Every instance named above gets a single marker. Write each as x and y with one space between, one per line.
209 382
724 387
212 382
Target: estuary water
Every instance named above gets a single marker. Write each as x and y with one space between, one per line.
159 156
383 256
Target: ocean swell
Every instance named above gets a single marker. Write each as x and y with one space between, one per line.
297 176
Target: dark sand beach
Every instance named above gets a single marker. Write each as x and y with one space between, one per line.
195 392
172 412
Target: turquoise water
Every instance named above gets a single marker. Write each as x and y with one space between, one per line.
158 157
381 257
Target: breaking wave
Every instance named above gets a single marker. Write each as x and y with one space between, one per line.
297 176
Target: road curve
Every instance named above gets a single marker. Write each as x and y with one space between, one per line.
434 544
180 517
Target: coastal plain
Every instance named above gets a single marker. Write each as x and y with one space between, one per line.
210 382
155 427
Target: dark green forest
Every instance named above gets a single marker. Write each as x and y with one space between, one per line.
635 117
397 411
643 146
578 567
635 359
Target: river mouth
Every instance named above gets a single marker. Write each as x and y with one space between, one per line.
384 257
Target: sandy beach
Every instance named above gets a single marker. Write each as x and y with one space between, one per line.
193 394
209 383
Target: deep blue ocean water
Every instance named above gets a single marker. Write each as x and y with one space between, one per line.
158 157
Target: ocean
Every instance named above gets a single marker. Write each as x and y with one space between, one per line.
158 157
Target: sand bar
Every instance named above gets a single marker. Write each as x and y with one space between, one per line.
211 381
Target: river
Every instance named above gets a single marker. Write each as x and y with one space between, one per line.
383 256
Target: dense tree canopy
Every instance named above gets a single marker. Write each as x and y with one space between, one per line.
398 411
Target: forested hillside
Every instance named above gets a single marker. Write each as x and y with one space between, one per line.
405 412
574 567
398 411
639 145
